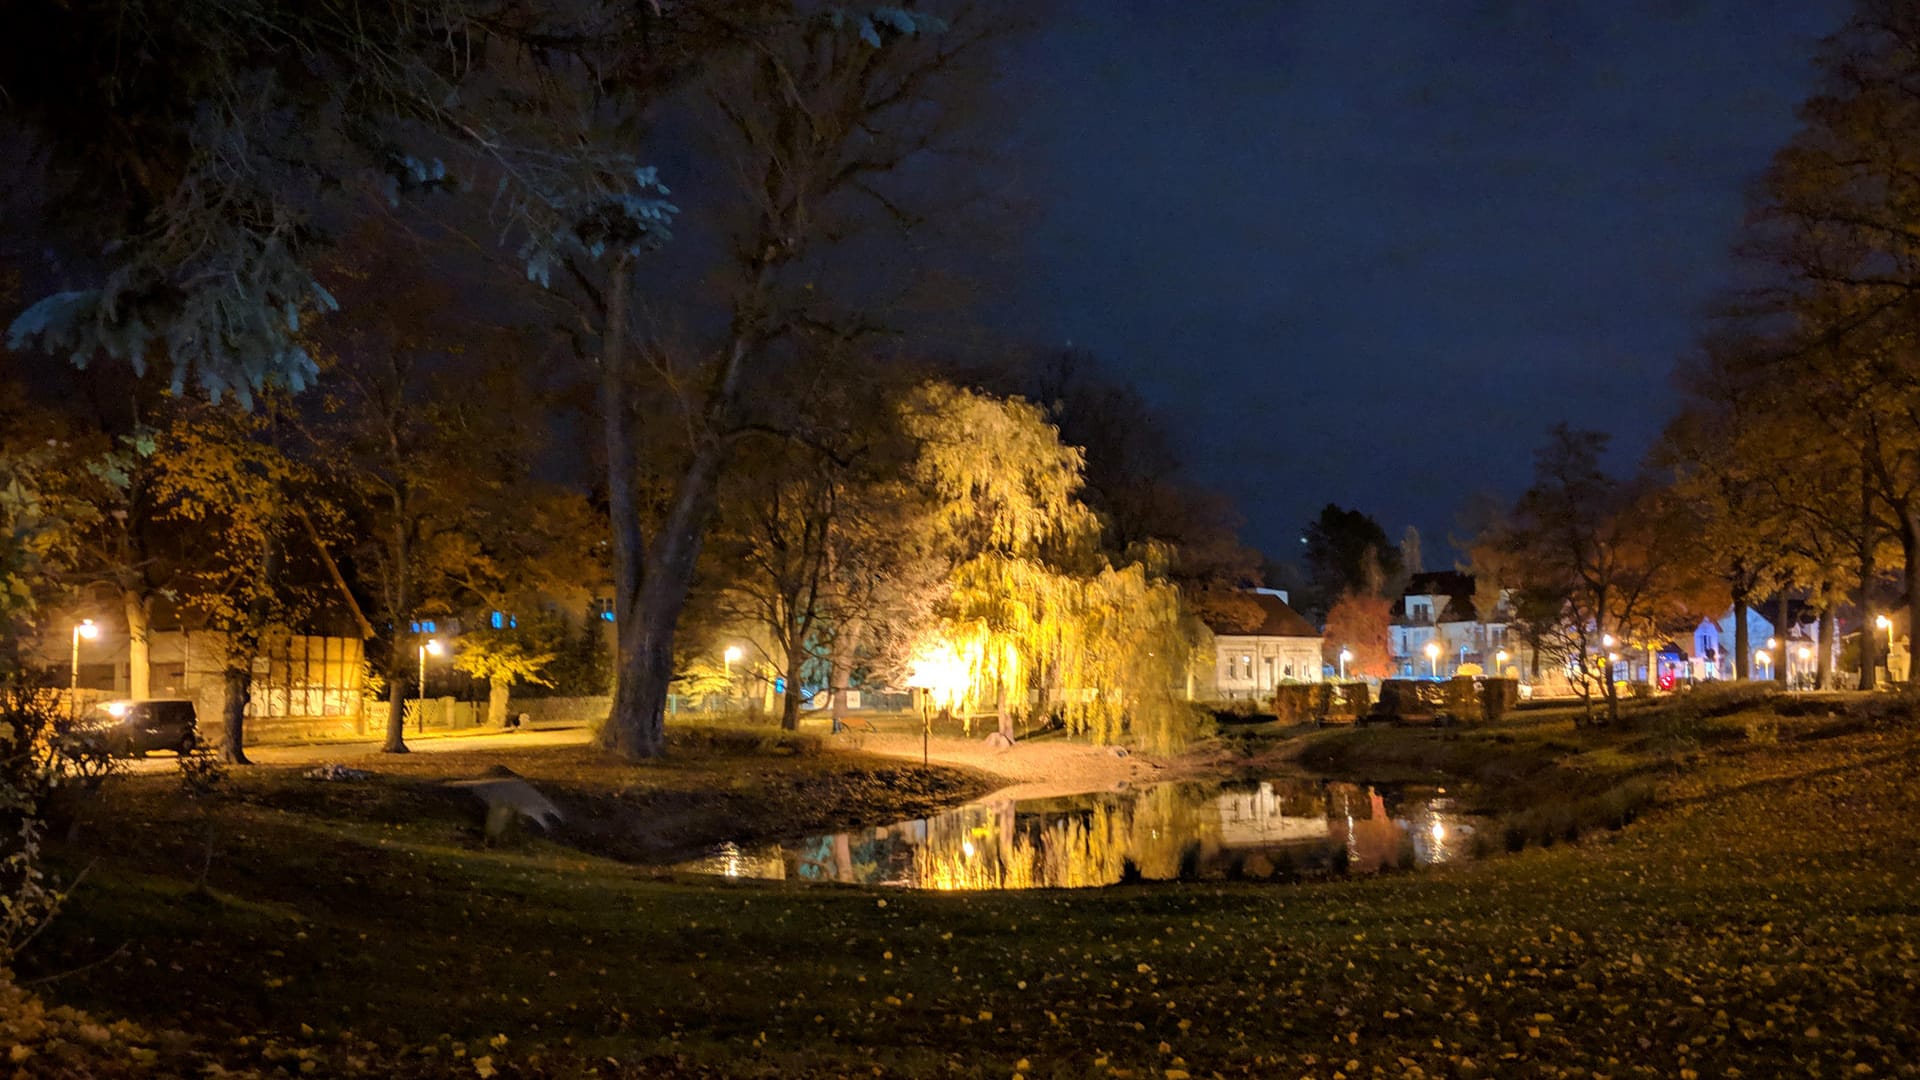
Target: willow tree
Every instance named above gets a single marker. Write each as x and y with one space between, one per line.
1036 615
500 660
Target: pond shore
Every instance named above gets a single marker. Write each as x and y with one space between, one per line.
1763 917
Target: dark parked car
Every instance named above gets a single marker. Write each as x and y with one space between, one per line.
131 728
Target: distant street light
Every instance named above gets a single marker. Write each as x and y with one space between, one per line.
1883 622
432 645
728 657
82 629
1765 660
1433 659
1806 658
1500 663
1345 655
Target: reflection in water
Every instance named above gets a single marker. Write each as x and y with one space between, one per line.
1273 829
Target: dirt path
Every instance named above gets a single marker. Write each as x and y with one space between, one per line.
1031 770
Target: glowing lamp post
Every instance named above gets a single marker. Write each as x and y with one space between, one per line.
1765 660
1806 660
1500 664
82 629
1345 656
1433 660
431 647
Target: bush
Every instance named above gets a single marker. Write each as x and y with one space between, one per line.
1498 698
1294 703
1356 697
1461 698
1322 701
45 772
1400 698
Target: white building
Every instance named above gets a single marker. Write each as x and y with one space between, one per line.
1437 609
1284 648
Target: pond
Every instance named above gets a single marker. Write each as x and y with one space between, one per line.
1282 829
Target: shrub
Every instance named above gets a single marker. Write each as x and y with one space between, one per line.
45 772
1294 703
1461 698
1401 697
1356 697
1497 698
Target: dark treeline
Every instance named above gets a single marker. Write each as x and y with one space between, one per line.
1791 475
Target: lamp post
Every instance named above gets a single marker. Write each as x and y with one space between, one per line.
1806 656
1346 654
432 645
728 657
1765 660
1433 660
1500 664
82 629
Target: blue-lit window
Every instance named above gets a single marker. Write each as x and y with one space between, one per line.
424 626
497 620
602 607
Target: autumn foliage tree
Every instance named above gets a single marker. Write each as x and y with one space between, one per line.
1615 560
1358 623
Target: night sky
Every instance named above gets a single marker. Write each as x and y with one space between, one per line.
1368 252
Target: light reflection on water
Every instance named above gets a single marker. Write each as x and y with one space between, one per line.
1282 829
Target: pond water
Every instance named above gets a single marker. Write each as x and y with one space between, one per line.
1282 829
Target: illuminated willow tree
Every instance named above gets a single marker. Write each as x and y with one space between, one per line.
1037 617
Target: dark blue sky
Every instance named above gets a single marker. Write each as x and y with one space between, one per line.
1368 252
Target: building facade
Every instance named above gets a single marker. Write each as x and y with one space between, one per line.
1283 648
1437 609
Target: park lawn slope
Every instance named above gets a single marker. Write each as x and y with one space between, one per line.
1764 920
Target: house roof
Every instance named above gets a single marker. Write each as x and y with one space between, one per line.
1440 583
1277 620
1453 587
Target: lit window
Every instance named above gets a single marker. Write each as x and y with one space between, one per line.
423 626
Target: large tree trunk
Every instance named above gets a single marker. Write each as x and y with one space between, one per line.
498 692
1742 655
1910 547
636 727
396 698
790 700
396 712
242 647
1824 665
1869 633
846 643
237 687
1782 660
139 610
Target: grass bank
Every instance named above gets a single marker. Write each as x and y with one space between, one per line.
1762 920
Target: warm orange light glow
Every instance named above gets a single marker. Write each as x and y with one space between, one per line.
87 630
940 670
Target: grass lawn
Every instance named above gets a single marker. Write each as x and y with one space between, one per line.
1762 921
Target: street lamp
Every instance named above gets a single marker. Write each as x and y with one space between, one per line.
1806 657
1500 663
432 645
1433 659
1765 660
1346 654
82 629
732 654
